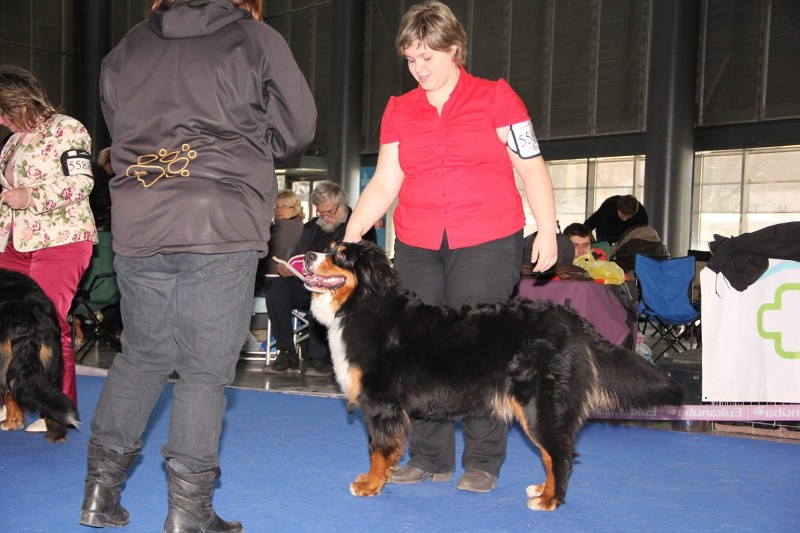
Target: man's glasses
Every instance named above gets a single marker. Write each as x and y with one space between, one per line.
329 213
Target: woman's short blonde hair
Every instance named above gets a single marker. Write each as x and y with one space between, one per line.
289 197
254 7
433 24
23 99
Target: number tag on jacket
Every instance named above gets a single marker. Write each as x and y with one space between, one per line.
76 162
522 141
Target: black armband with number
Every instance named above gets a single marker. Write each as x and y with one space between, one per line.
76 162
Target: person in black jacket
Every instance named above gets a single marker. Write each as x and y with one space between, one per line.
287 293
616 215
200 99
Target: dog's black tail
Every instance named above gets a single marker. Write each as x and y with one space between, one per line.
32 388
36 394
626 381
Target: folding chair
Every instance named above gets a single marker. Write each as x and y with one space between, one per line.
260 320
95 308
664 302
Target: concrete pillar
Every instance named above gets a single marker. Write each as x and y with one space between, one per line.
344 130
670 121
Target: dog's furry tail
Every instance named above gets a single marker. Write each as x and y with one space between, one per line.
626 381
35 382
37 394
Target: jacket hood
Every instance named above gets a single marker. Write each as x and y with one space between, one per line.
192 18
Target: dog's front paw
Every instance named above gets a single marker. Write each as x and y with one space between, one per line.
534 490
365 485
541 503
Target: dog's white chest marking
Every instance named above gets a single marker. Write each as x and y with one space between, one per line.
339 356
322 310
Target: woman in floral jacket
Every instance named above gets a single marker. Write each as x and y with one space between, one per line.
46 226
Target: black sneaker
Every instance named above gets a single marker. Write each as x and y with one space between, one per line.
286 361
318 367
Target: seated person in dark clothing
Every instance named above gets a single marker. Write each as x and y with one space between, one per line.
283 236
287 292
581 237
615 215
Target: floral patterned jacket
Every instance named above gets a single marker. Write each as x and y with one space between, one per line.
52 161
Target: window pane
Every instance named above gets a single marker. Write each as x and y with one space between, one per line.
569 189
775 166
720 199
723 224
726 168
569 174
615 173
775 198
757 221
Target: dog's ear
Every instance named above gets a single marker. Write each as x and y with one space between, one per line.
373 269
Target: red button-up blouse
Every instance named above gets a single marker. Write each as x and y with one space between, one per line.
458 176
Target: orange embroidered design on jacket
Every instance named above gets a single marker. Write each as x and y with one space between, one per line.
152 167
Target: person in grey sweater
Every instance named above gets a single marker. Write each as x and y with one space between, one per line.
200 99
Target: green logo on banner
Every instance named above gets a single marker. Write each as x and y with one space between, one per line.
778 307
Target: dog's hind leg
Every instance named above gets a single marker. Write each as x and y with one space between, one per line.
55 432
557 455
15 415
388 429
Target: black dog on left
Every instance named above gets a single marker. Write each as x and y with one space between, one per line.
31 363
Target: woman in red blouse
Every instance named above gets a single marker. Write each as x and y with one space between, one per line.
448 152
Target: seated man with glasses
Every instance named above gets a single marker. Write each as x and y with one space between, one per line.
287 292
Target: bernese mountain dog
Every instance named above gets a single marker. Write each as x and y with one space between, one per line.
31 364
539 363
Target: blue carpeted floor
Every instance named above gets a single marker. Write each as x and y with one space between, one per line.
288 461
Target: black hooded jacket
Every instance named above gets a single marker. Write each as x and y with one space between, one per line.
200 101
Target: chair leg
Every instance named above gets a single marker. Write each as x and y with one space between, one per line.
99 329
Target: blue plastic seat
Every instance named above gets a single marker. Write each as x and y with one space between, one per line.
665 304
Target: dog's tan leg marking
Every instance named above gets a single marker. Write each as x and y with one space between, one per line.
541 496
380 466
355 386
15 416
5 359
45 355
79 336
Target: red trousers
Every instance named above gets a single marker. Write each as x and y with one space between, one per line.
57 270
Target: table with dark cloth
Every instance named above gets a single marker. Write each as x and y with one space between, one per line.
594 301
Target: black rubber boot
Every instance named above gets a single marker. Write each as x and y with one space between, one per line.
101 490
190 509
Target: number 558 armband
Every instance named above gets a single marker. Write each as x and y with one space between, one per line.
522 141
76 161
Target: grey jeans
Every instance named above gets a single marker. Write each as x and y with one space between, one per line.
485 273
187 313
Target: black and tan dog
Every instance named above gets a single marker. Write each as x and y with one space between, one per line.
31 364
536 362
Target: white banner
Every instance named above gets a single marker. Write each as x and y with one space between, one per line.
751 339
